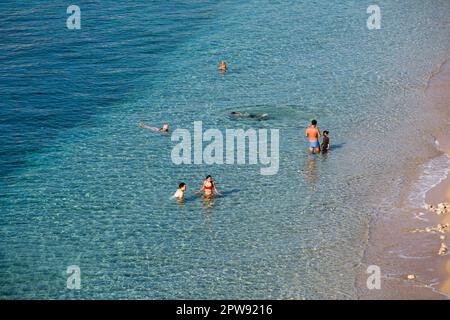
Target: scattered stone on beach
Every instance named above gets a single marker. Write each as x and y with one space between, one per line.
443 249
411 276
441 228
441 208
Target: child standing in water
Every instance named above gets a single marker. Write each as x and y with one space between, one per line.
325 142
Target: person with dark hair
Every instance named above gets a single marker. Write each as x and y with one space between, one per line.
325 142
179 194
208 186
313 134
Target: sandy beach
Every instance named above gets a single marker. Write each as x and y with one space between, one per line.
406 242
439 90
437 195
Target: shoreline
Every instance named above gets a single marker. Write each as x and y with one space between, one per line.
441 194
438 87
400 240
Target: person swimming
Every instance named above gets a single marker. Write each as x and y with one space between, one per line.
223 66
165 127
313 134
249 115
179 194
208 186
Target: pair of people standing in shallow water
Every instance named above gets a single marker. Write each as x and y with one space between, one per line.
208 186
313 134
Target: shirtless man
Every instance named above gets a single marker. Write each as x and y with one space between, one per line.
313 134
179 194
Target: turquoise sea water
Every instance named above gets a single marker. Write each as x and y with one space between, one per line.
81 184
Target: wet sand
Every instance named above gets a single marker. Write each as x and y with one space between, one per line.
439 89
441 194
395 244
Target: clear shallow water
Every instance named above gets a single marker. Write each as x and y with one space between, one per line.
82 184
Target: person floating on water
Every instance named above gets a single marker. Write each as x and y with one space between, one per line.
223 66
325 142
165 127
313 134
179 194
208 186
250 115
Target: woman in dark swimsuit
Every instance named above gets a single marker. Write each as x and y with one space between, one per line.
208 186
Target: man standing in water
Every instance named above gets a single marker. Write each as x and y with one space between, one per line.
313 134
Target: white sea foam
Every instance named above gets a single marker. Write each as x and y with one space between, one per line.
433 173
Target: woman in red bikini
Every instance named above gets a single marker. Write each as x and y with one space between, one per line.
208 186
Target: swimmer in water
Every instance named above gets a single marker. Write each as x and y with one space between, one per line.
165 127
208 186
179 194
250 115
313 134
223 66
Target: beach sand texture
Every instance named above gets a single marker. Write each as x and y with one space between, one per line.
408 243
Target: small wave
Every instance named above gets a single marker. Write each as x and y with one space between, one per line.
411 257
436 71
420 216
434 172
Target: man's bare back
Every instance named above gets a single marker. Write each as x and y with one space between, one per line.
313 134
